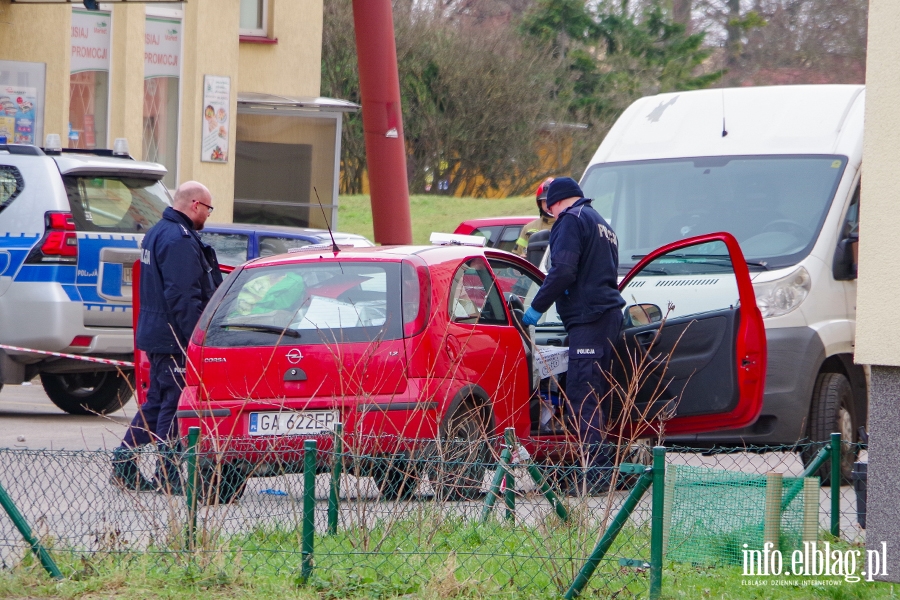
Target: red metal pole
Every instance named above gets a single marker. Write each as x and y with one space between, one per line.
379 85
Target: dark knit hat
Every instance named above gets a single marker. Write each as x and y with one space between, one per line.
562 188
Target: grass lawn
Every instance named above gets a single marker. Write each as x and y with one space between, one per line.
410 559
431 213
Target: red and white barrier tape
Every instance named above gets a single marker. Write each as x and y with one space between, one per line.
102 361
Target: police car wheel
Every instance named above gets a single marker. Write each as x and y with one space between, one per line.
89 393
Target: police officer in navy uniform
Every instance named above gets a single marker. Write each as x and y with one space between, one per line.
583 282
179 274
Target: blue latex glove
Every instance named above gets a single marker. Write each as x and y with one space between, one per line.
531 316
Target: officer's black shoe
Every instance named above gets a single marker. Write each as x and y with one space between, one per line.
126 475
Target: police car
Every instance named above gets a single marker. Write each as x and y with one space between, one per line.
71 224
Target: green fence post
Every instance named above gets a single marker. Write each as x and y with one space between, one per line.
836 484
609 536
510 496
656 521
334 494
494 491
547 491
810 471
190 493
23 527
309 509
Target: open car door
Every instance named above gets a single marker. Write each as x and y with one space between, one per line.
693 355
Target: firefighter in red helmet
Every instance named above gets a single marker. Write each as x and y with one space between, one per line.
544 221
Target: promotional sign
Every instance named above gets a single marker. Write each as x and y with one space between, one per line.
90 41
215 123
17 113
162 47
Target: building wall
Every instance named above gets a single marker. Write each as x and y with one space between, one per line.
297 25
877 337
127 75
207 51
41 33
211 46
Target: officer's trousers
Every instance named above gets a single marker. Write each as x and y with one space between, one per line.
155 420
587 386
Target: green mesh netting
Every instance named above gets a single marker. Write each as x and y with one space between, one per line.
711 513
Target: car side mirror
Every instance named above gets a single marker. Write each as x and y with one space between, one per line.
537 246
514 302
846 258
642 314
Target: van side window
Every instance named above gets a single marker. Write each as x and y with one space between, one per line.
11 185
851 222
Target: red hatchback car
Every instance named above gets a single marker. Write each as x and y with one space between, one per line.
499 232
421 344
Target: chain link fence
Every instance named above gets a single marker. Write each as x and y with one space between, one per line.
501 516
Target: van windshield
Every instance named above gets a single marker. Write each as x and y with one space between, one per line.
773 205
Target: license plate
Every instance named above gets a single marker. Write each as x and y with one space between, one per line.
126 275
308 422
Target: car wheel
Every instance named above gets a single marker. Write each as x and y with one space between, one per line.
459 462
220 483
832 412
101 393
396 477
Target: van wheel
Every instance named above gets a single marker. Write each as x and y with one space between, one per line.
396 477
221 483
89 393
458 465
832 412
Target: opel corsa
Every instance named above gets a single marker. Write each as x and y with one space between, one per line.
414 346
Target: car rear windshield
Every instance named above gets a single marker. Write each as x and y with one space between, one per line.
115 204
309 303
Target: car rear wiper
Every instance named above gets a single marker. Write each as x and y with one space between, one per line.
262 328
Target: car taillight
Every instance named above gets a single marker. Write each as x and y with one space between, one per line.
415 296
198 336
59 244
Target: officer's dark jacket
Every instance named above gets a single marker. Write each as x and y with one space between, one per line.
179 274
584 254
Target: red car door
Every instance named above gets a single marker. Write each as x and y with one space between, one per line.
483 346
699 363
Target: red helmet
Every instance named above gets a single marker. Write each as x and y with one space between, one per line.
541 196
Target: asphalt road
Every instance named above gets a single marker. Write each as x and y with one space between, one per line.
26 412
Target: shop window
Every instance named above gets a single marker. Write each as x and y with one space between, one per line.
254 17
22 101
162 70
89 79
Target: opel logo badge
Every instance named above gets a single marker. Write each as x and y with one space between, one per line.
294 356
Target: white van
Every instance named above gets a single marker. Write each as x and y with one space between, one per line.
779 168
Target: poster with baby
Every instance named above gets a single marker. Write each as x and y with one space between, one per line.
17 114
216 118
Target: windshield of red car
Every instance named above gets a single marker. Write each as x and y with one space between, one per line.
310 303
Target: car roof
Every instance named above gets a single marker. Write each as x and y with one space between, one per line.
489 221
432 255
92 164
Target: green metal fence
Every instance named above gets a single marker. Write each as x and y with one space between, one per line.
328 512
